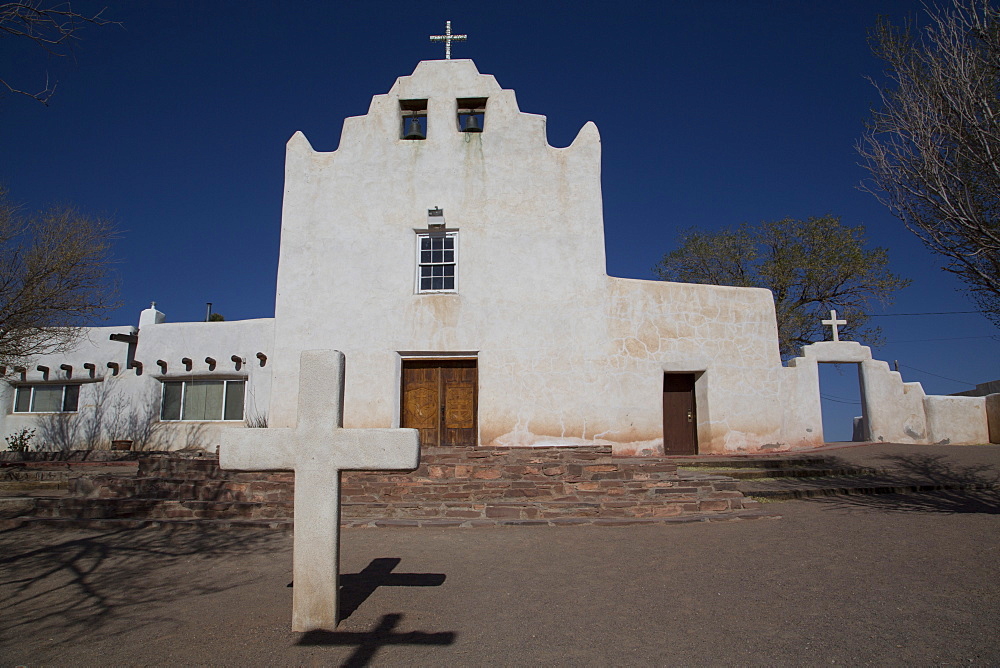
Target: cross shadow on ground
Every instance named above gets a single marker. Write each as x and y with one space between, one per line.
355 588
369 642
86 583
945 487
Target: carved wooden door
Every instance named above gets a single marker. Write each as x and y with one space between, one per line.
439 399
680 421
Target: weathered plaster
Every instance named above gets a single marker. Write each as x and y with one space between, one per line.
566 354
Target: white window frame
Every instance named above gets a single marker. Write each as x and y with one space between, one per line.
225 394
31 400
427 234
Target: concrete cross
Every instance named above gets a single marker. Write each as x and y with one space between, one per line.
317 449
833 322
448 38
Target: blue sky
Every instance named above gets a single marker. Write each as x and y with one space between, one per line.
711 113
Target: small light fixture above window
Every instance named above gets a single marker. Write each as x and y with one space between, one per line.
435 217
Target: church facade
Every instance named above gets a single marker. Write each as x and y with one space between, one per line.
458 261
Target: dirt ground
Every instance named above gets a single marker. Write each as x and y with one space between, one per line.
887 580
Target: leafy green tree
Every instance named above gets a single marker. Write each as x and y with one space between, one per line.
933 148
810 266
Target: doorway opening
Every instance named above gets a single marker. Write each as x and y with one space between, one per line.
439 398
841 401
680 418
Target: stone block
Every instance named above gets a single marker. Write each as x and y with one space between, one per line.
502 512
713 506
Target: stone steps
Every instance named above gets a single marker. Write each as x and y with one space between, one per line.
842 486
799 477
798 472
287 525
23 487
456 486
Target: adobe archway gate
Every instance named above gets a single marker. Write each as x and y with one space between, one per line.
893 411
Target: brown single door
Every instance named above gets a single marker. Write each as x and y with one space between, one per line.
680 422
439 399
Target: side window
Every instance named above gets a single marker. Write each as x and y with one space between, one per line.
47 398
202 400
437 262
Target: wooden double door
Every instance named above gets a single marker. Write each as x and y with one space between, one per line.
439 398
680 420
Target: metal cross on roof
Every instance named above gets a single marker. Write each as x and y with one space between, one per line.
448 38
833 322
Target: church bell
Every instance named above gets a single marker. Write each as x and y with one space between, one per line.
471 124
414 131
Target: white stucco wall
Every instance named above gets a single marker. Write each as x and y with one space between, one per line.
566 354
133 388
893 411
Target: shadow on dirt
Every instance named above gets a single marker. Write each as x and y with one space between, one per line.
369 642
78 586
948 487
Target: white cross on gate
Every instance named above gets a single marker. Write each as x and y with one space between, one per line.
833 322
317 450
448 38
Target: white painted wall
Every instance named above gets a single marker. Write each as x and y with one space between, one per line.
135 389
567 355
894 411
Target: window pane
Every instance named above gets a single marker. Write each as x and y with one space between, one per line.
449 243
425 243
436 283
449 283
425 284
234 400
203 400
437 256
448 270
425 256
170 407
437 242
22 401
71 398
48 399
449 256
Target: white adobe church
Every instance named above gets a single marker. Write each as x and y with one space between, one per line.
458 261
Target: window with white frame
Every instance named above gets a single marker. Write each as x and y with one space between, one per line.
437 261
46 398
202 400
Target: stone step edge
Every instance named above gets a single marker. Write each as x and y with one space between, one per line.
756 473
287 525
865 490
41 502
749 462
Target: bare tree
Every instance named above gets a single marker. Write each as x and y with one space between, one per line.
55 275
109 414
933 149
51 26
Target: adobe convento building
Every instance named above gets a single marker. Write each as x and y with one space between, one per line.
462 273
